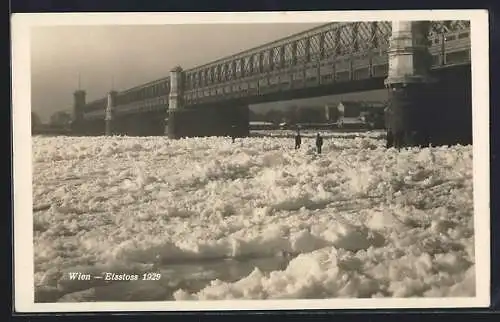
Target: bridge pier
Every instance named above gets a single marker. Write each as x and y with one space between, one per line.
172 121
222 119
409 85
91 127
140 124
109 118
77 124
451 107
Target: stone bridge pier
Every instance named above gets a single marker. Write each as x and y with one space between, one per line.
409 85
82 126
93 127
140 124
110 123
134 124
424 110
78 125
218 119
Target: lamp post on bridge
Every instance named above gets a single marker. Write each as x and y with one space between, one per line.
109 118
174 101
408 83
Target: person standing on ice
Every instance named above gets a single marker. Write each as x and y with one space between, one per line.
233 135
298 140
387 121
319 143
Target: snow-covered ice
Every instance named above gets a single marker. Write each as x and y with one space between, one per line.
254 219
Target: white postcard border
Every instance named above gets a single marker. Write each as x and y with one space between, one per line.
22 166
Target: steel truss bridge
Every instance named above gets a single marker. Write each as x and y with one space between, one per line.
330 55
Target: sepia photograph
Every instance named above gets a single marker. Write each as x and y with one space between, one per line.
217 161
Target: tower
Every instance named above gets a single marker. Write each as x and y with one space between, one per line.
78 104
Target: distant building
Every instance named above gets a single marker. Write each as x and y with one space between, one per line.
361 114
258 125
348 109
310 114
331 113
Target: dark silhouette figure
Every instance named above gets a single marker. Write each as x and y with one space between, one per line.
298 140
395 125
233 134
319 143
390 139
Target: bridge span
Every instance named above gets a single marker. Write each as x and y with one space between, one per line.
425 66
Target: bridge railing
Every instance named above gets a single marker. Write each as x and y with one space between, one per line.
451 48
148 97
318 44
338 70
95 109
146 105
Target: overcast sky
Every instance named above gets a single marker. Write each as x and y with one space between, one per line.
131 55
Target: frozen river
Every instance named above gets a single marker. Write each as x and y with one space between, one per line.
254 219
